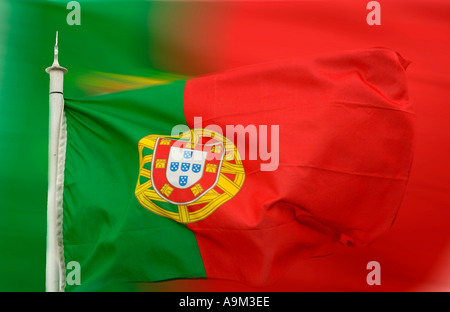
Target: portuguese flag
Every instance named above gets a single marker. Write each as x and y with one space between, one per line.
235 175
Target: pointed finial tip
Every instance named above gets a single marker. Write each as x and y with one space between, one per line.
55 64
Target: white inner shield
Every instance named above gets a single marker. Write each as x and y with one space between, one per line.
185 166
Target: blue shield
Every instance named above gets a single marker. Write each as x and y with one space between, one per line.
183 180
185 166
196 168
174 166
188 154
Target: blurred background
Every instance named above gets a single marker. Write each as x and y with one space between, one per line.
130 44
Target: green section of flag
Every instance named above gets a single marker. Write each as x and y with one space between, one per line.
106 230
110 50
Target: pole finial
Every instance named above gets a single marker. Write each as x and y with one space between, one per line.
55 58
55 64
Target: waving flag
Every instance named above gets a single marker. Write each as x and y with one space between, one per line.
158 185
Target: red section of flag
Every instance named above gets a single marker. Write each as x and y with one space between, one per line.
415 253
345 152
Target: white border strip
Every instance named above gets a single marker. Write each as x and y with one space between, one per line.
62 144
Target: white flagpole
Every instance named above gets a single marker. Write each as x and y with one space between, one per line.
53 265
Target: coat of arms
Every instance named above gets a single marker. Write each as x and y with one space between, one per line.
195 172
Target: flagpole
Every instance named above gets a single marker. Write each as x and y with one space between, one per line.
56 103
